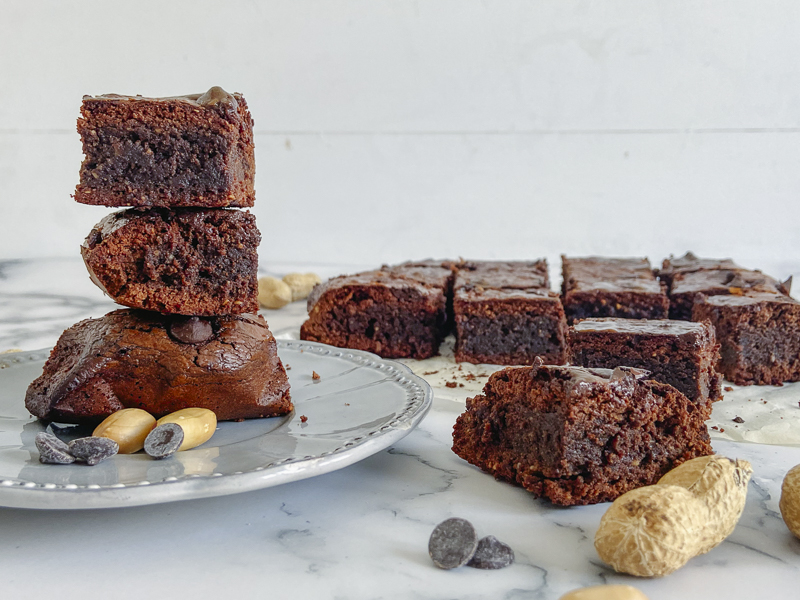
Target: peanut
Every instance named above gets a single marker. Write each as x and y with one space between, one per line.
653 530
198 425
273 293
128 427
301 284
11 351
790 500
605 592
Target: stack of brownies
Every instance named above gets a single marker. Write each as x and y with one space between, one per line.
183 258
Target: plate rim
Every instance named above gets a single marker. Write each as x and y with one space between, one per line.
16 493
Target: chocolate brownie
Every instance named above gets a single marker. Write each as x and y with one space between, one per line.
690 263
396 312
194 150
680 353
578 436
688 287
138 359
505 314
759 334
611 287
179 261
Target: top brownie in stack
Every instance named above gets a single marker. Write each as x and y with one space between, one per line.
691 263
396 312
611 287
194 150
506 314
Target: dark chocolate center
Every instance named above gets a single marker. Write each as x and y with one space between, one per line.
192 330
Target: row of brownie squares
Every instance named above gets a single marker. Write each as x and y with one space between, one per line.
505 313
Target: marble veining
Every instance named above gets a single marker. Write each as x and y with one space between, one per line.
360 532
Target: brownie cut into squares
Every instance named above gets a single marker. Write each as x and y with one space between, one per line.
579 436
689 287
691 263
161 363
396 311
759 335
506 314
189 261
194 150
596 286
682 354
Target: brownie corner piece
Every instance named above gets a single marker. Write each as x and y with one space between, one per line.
595 286
682 354
193 150
759 336
188 261
578 436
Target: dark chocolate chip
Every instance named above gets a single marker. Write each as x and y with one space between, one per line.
216 95
453 543
491 554
738 420
52 450
164 440
93 450
192 330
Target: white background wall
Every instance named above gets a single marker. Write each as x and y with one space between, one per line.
389 130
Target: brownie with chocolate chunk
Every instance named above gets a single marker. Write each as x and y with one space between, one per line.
505 314
161 363
688 287
759 335
194 150
680 353
691 263
596 286
579 436
187 261
396 312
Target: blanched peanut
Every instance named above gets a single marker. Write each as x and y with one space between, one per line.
198 425
790 500
273 293
605 592
301 284
128 427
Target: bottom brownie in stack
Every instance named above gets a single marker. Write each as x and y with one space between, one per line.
579 436
162 363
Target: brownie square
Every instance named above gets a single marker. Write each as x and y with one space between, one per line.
578 436
194 150
395 312
611 287
759 334
690 263
188 261
688 287
680 353
505 314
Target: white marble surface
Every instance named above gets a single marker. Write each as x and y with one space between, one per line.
357 533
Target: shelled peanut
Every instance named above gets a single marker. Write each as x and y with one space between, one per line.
277 293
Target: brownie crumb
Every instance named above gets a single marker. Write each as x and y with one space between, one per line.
738 420
303 418
314 375
451 384
430 372
728 388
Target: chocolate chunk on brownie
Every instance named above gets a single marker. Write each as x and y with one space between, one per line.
680 353
178 261
194 150
505 314
578 436
395 312
688 287
160 363
690 263
611 287
759 334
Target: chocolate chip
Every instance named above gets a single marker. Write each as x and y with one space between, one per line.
164 440
93 450
491 554
738 420
52 450
452 543
191 330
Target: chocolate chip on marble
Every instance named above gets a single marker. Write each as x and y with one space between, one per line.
164 440
52 450
93 450
452 543
491 554
191 330
738 420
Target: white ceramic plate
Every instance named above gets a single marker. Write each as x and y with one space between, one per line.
360 405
